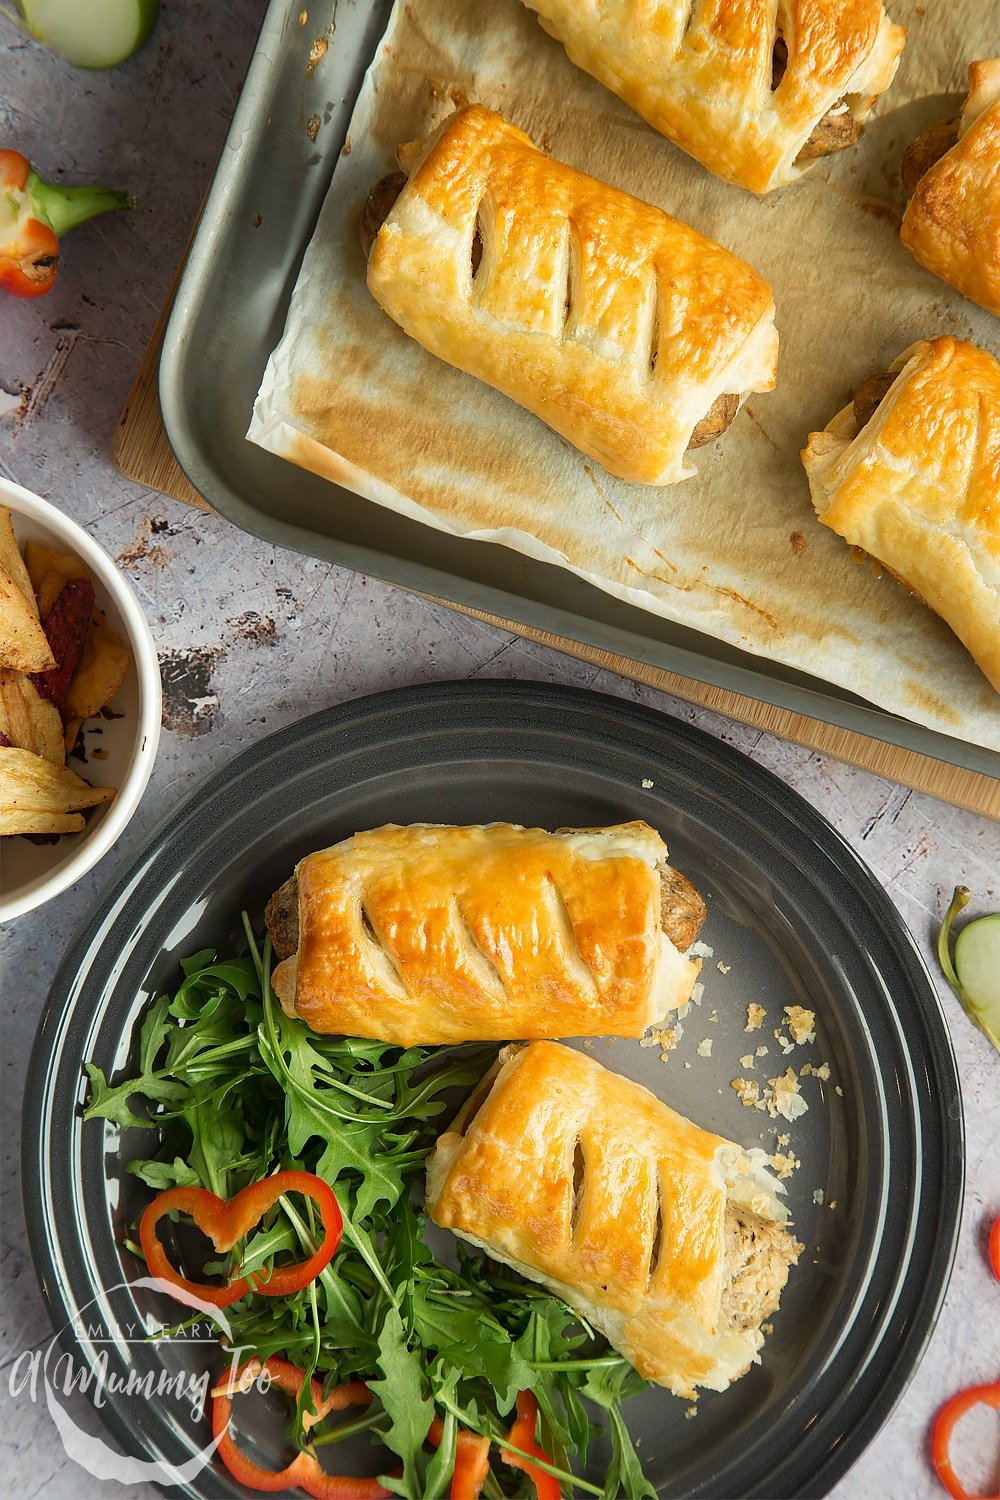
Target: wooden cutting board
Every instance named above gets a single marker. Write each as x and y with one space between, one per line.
142 452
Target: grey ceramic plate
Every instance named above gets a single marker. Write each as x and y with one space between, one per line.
794 917
258 218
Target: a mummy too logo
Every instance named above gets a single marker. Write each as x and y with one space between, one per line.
49 1375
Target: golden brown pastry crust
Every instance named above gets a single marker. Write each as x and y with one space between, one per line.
701 71
585 1181
431 934
614 323
952 221
919 486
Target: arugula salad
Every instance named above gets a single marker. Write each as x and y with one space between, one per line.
449 1362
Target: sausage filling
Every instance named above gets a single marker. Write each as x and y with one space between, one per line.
758 1255
869 397
838 128
922 153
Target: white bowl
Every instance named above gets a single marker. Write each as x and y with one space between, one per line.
31 874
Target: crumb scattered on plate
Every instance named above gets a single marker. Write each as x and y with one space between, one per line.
801 1023
701 950
818 1197
646 784
747 1061
748 1092
761 1052
755 1017
783 1097
723 968
785 1163
705 1047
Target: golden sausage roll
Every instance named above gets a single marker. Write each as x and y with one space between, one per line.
620 327
430 934
754 92
669 1240
911 472
952 221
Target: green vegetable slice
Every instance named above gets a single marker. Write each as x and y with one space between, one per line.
94 34
974 973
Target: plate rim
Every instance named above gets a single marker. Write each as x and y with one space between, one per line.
60 1009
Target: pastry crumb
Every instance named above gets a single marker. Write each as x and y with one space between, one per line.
646 784
783 1041
701 950
692 1411
748 1092
755 1017
723 968
838 1091
832 1203
785 1163
747 1062
818 1197
714 1016
687 1064
784 1140
801 1023
705 1047
767 1328
761 1052
783 1097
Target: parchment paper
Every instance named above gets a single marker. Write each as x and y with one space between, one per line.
736 552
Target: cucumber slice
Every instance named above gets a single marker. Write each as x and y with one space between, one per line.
974 974
977 961
98 34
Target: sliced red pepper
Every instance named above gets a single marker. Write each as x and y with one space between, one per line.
33 216
304 1471
522 1435
472 1461
941 1433
994 1248
225 1221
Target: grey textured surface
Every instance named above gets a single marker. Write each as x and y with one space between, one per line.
251 638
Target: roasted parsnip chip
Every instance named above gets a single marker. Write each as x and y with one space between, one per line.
27 719
49 571
100 673
33 790
23 644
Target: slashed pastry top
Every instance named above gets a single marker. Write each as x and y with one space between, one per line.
636 1217
918 485
431 934
952 221
614 323
753 89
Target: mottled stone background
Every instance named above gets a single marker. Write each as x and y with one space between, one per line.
251 638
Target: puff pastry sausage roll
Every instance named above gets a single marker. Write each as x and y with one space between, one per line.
911 473
620 327
430 934
669 1240
755 90
952 221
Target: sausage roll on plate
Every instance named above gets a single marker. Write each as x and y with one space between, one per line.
952 174
910 471
669 1240
430 934
630 334
755 90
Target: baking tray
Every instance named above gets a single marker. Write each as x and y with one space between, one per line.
229 312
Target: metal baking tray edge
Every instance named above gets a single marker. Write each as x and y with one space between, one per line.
289 126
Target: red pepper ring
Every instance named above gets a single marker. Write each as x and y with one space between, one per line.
941 1433
522 1434
304 1471
472 1460
225 1221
